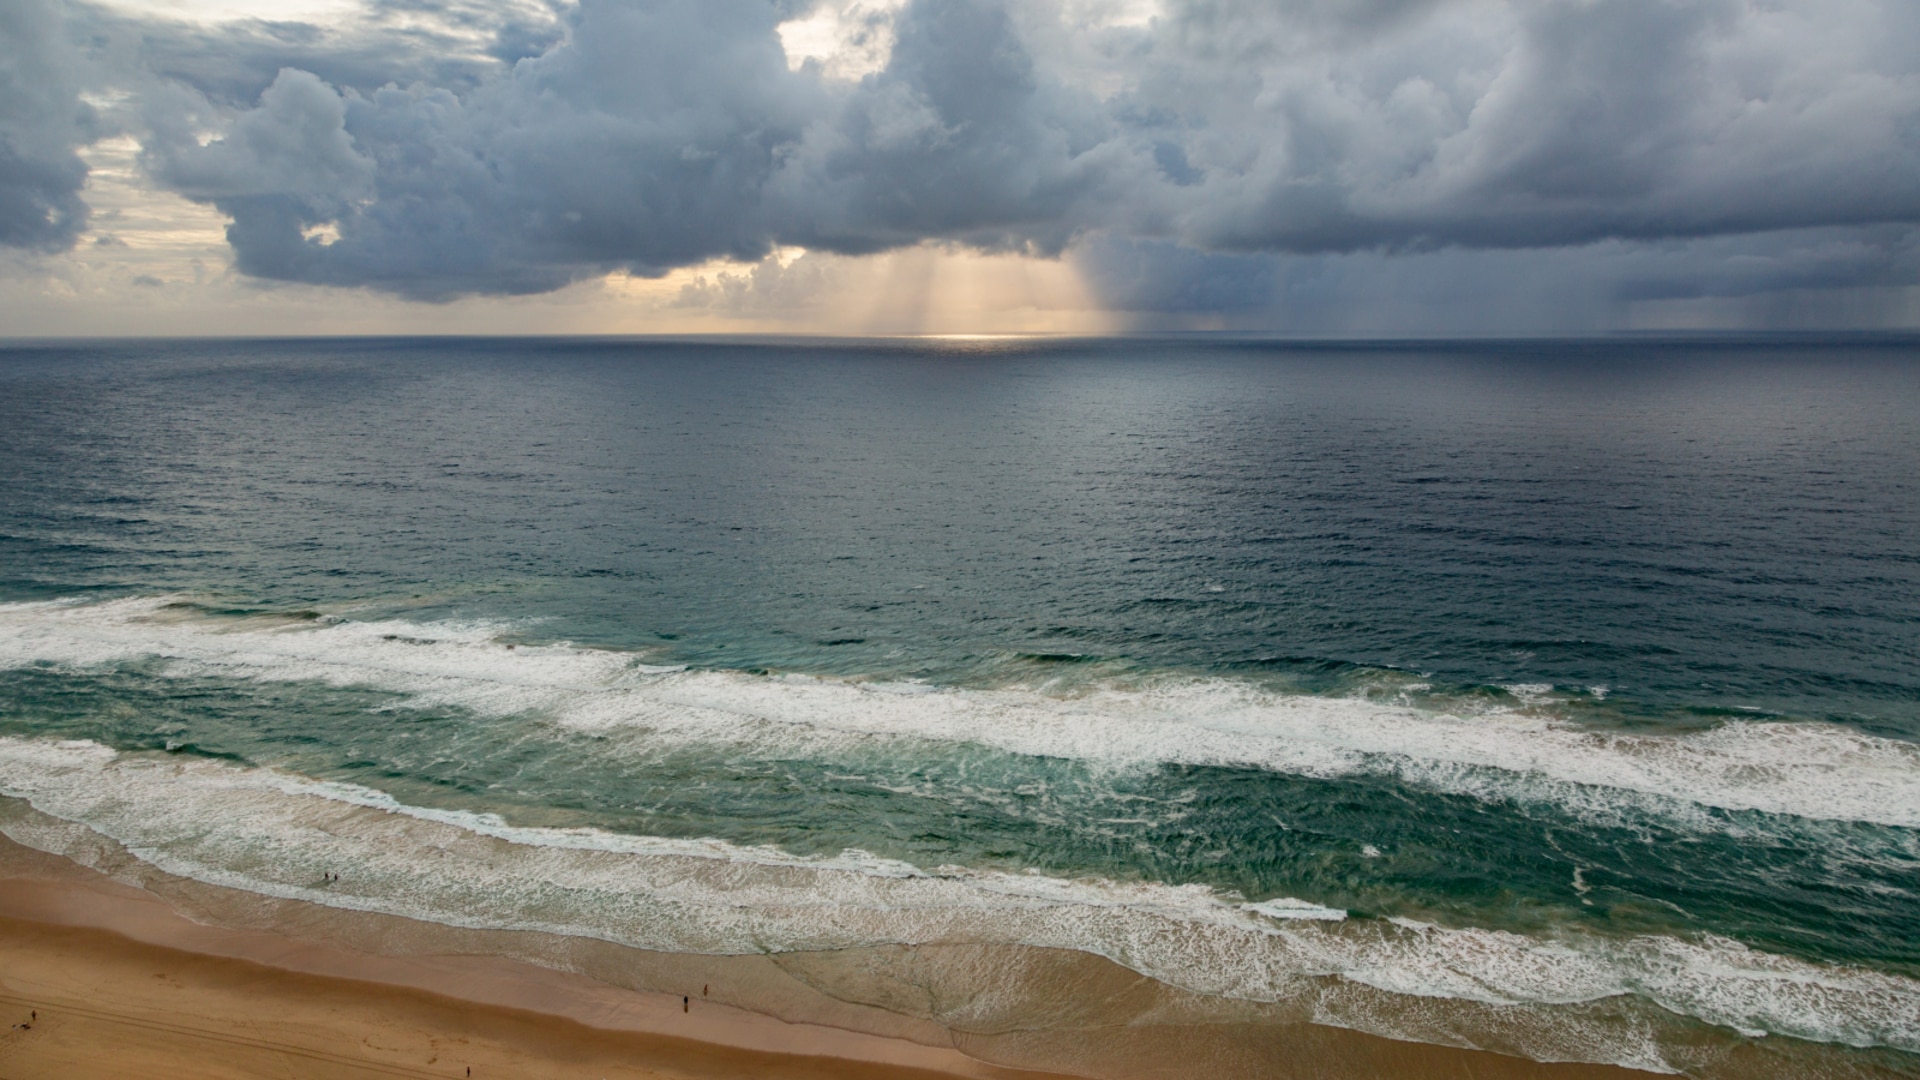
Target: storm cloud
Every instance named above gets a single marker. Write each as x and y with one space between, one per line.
1188 148
43 123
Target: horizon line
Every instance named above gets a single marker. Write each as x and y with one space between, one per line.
1276 337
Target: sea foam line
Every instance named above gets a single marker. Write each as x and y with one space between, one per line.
1807 770
273 833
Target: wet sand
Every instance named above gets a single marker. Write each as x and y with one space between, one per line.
127 987
109 1006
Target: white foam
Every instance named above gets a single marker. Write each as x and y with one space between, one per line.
276 834
1287 907
1808 770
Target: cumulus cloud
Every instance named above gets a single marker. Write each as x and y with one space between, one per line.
43 122
644 140
1537 124
1192 152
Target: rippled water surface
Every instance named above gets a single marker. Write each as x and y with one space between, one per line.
1574 678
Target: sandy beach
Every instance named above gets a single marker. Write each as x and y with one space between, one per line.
91 1003
124 986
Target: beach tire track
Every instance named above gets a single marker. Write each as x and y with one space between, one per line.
17 1037
61 1009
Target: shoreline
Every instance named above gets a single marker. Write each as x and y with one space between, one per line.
127 985
95 1012
54 897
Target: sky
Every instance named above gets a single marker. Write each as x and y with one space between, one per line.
1316 168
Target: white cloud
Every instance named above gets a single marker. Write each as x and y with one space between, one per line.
847 39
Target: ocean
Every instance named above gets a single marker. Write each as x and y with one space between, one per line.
1560 698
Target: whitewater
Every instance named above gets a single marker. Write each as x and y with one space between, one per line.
1553 698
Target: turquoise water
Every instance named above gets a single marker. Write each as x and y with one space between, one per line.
1575 678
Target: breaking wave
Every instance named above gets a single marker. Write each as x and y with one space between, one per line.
1516 749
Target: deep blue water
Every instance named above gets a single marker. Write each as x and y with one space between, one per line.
1613 639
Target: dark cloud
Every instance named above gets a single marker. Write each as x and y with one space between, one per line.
43 123
961 136
1813 278
644 141
1223 154
451 44
1551 123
